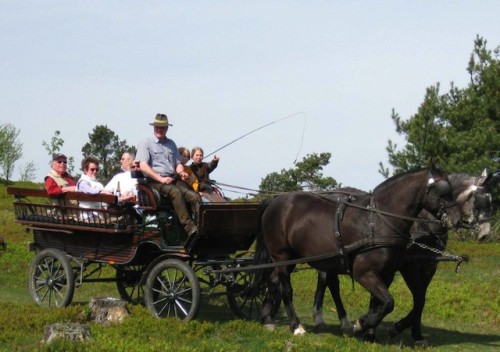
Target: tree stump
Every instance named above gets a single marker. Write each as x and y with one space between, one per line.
69 331
108 310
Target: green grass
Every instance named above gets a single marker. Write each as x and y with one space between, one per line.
462 311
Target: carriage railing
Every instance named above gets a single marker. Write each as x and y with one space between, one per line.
34 207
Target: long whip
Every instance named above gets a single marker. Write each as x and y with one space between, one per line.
261 127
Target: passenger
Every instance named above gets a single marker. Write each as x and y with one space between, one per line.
123 184
202 170
160 162
191 182
88 182
58 181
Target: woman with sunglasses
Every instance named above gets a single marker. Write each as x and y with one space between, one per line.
58 181
88 182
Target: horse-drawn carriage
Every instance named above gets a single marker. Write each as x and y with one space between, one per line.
156 263
365 237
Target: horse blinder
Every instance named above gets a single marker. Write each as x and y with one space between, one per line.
442 187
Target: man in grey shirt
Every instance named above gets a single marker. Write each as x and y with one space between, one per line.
160 162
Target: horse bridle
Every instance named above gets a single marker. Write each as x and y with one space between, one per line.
482 201
442 186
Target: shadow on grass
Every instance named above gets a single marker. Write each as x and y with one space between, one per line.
217 310
437 337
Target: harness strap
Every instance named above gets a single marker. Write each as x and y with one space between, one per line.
363 244
339 215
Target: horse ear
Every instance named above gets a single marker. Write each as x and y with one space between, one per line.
435 170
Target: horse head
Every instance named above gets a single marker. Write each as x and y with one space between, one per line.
439 199
473 194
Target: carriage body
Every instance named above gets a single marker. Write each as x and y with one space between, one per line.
143 242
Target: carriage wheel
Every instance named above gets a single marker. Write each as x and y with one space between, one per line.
173 290
127 282
245 300
51 279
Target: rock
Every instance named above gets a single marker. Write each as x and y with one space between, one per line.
108 310
69 331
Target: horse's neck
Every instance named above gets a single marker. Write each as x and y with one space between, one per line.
401 198
425 227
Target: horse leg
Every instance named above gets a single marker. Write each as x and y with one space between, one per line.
269 299
319 322
370 334
381 304
332 281
287 296
417 278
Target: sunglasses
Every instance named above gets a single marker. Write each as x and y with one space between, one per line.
94 169
62 161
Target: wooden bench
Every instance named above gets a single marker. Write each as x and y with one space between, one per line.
35 208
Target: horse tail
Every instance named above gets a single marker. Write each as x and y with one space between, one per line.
261 252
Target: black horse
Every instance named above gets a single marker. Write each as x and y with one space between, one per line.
365 237
419 266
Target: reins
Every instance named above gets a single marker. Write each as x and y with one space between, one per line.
375 210
336 201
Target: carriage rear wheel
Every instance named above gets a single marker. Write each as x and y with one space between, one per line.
172 290
127 283
245 300
51 279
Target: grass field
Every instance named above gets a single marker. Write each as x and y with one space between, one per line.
462 311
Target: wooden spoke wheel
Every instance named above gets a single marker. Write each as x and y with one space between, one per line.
245 300
172 290
51 279
128 278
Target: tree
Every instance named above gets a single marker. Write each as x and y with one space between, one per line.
27 172
305 176
107 147
11 150
459 129
54 146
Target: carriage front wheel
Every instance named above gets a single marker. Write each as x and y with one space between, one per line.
172 290
245 298
128 278
51 279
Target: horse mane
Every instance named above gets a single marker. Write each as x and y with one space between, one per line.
397 177
460 177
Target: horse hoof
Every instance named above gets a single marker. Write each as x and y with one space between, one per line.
357 328
393 332
369 338
270 327
347 327
299 331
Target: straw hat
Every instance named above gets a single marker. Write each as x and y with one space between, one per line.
161 120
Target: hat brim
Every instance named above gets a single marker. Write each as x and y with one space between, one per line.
156 124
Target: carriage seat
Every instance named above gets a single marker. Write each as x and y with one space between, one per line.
148 197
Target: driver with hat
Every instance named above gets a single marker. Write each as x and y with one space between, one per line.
161 163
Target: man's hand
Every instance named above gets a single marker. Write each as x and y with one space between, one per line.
167 180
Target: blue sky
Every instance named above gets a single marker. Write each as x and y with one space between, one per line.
220 69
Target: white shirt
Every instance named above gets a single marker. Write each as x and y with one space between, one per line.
127 183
